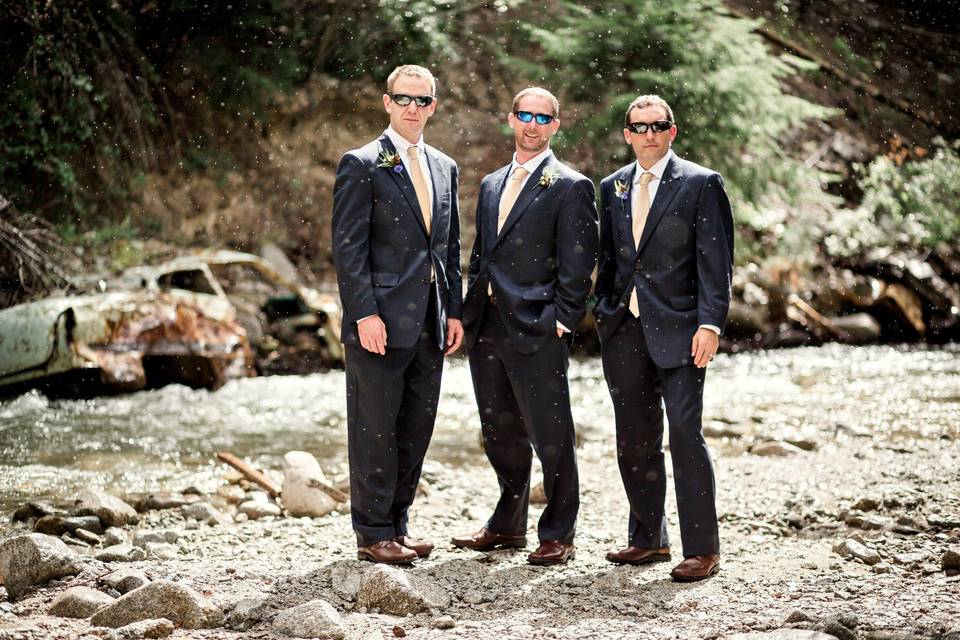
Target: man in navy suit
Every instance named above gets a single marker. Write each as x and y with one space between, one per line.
663 290
535 249
396 245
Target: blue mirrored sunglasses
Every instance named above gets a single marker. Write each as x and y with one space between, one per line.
526 116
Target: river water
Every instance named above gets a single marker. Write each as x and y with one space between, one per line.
166 439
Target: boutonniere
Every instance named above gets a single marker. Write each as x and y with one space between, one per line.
621 190
548 177
391 161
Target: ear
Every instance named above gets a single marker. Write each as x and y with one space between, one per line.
673 133
512 120
555 126
386 103
626 136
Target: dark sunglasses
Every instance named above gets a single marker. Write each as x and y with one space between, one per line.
526 116
657 127
403 100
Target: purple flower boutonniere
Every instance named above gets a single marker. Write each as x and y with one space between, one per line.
391 161
548 177
622 191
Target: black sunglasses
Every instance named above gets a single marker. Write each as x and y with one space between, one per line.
403 100
657 127
526 116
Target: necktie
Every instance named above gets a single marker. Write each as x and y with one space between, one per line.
420 186
510 194
640 207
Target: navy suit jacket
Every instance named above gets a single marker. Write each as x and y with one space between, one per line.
539 265
681 267
381 248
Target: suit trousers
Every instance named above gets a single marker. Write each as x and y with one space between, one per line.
524 400
391 410
640 390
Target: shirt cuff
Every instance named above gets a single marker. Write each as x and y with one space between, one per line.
716 330
562 328
370 316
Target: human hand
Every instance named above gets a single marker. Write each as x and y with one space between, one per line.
373 334
454 335
704 347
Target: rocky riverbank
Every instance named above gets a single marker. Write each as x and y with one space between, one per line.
837 488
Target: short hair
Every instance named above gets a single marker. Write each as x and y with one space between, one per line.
648 101
538 91
414 71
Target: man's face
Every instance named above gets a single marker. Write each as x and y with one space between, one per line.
532 138
410 120
649 147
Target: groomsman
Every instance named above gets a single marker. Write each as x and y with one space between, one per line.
535 249
663 290
396 246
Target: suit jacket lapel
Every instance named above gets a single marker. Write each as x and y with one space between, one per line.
406 185
623 214
527 195
438 181
491 211
668 188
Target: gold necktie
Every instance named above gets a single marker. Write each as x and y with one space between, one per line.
420 186
510 195
640 208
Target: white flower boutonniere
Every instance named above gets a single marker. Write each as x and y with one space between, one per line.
390 161
548 177
622 191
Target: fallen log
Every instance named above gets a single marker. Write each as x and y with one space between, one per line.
257 477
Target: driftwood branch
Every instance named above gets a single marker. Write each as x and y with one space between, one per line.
257 477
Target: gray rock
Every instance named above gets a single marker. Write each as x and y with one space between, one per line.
950 560
867 504
231 493
55 525
256 509
313 619
882 567
124 580
798 616
89 537
115 535
79 602
204 512
782 634
909 558
162 551
155 628
836 629
443 622
169 536
111 510
346 580
852 549
247 613
158 501
121 553
33 510
302 482
32 559
911 524
865 521
161 599
397 593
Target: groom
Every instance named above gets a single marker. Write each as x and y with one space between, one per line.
396 246
535 248
663 290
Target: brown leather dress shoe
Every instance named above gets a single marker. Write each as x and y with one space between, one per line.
386 552
639 555
696 568
423 549
486 540
552 552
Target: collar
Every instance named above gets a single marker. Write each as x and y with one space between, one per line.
657 169
531 164
401 144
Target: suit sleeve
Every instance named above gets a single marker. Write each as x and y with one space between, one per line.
576 252
352 212
473 271
714 233
454 277
607 265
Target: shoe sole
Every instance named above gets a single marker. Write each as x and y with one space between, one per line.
656 557
519 544
682 578
368 558
548 563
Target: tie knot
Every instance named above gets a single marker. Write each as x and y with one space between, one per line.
413 152
646 178
519 173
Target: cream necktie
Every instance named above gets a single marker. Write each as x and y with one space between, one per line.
510 194
420 186
640 208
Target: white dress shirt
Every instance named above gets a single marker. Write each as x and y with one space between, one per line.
659 167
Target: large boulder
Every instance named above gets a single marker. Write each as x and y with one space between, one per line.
302 486
79 602
314 619
393 591
33 559
111 510
161 599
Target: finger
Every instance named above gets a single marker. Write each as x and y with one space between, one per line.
695 345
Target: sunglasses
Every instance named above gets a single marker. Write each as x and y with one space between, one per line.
403 100
657 127
541 118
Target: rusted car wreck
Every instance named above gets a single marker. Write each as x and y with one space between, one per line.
197 320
